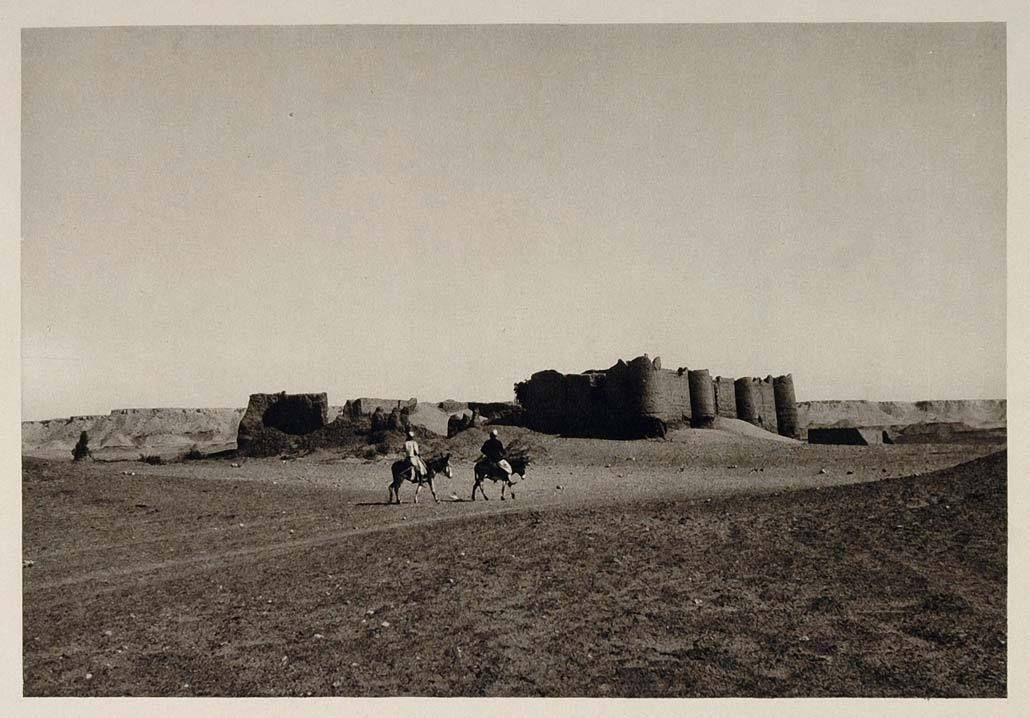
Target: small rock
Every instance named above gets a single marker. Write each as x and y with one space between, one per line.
185 685
354 665
385 624
292 531
284 660
822 471
370 612
450 580
732 466
337 684
559 487
850 473
89 676
234 465
27 563
318 636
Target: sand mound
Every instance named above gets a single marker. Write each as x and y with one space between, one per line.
745 429
132 428
947 433
430 417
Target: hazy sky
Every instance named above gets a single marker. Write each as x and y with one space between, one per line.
441 211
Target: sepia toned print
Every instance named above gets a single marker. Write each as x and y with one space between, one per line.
695 335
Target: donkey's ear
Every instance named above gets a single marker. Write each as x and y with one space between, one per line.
447 456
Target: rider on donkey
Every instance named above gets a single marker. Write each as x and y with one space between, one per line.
493 450
411 452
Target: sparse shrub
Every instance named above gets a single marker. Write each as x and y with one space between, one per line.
370 453
193 454
151 459
383 447
81 450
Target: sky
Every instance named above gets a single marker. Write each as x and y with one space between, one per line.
441 211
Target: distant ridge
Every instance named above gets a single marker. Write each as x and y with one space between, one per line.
975 413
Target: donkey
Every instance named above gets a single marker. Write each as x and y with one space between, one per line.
486 469
403 471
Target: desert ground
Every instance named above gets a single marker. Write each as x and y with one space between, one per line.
709 563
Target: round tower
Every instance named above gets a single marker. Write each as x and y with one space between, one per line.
702 398
746 409
786 406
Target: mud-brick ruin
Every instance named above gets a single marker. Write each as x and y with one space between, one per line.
271 419
639 398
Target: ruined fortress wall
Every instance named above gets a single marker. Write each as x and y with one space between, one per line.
271 418
365 406
579 404
702 397
639 398
543 398
672 396
617 393
642 388
756 402
725 397
765 403
637 393
786 406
